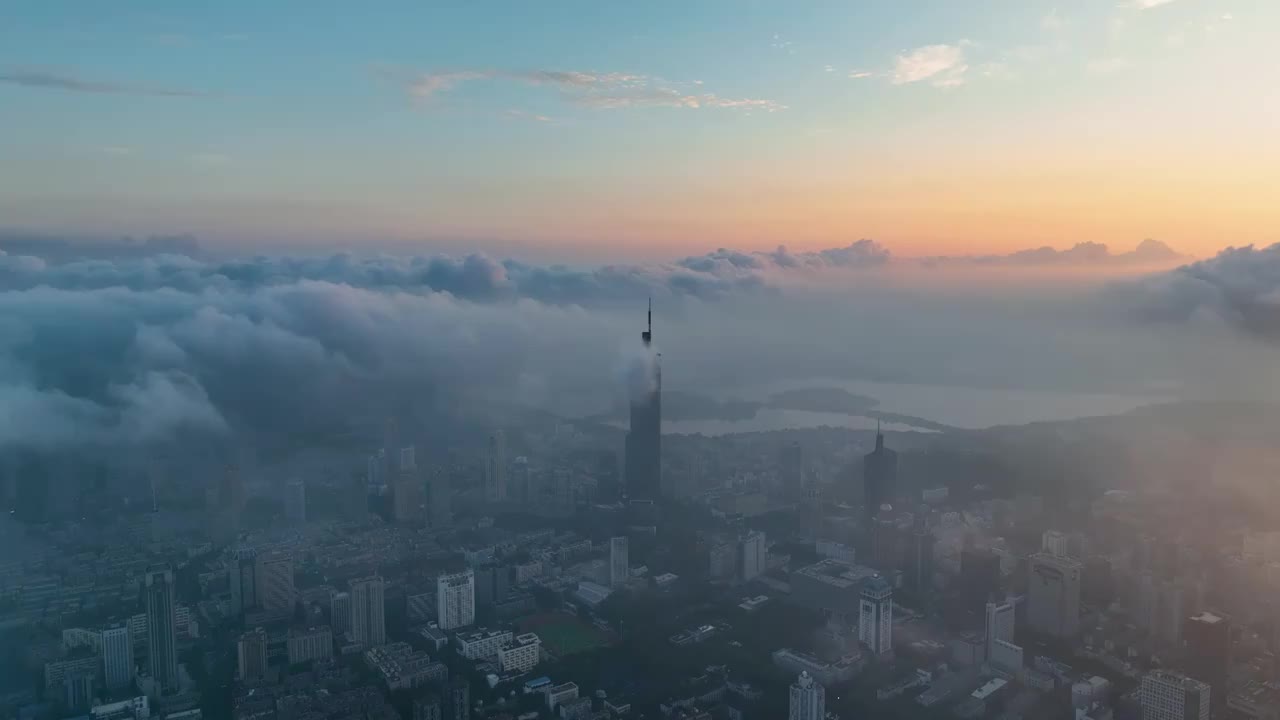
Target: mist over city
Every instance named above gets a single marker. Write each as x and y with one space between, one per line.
714 361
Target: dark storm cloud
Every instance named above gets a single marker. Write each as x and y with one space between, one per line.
1238 288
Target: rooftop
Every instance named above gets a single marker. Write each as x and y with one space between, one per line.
837 573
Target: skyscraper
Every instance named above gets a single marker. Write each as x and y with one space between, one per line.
459 698
295 501
441 500
407 499
456 600
619 564
340 612
1207 637
162 652
879 476
495 468
1000 623
1170 696
754 555
919 560
242 578
644 439
808 699
1053 598
252 655
1054 543
368 618
117 656
274 581
875 616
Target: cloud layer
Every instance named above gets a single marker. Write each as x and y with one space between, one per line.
50 80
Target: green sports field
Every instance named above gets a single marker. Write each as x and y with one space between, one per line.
564 634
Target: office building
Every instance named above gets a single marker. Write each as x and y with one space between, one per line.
1000 623
754 555
879 476
1054 543
495 468
77 690
162 653
459 699
1171 696
368 619
252 655
791 470
407 498
274 582
305 645
117 657
481 644
918 568
1207 638
619 564
521 654
241 576
830 585
428 707
56 672
808 699
340 612
456 600
643 447
1053 598
295 501
875 616
441 500
559 694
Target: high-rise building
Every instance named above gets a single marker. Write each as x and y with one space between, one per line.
754 555
162 652
495 468
295 501
274 581
1053 598
1207 637
459 698
1054 543
644 438
1170 696
791 469
368 612
242 576
808 699
619 564
1000 623
78 689
306 644
456 600
407 497
117 657
919 556
428 707
340 612
879 476
441 500
252 655
875 616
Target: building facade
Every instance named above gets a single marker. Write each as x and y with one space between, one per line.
1171 696
808 699
875 616
1053 600
162 652
368 619
456 600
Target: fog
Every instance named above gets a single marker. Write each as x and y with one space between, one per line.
131 348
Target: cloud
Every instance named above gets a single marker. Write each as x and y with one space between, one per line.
1239 288
1149 4
605 91
58 81
943 65
1108 66
859 74
1052 21
525 115
1149 252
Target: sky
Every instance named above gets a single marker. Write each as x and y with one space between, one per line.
588 130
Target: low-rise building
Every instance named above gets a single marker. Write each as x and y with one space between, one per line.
521 654
481 644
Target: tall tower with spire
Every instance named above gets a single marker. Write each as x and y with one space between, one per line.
643 465
879 475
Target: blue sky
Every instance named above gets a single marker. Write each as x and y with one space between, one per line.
618 127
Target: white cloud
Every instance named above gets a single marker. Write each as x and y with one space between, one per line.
859 74
943 65
1053 21
829 68
1107 66
1148 4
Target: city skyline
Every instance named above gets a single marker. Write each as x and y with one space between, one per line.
934 127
